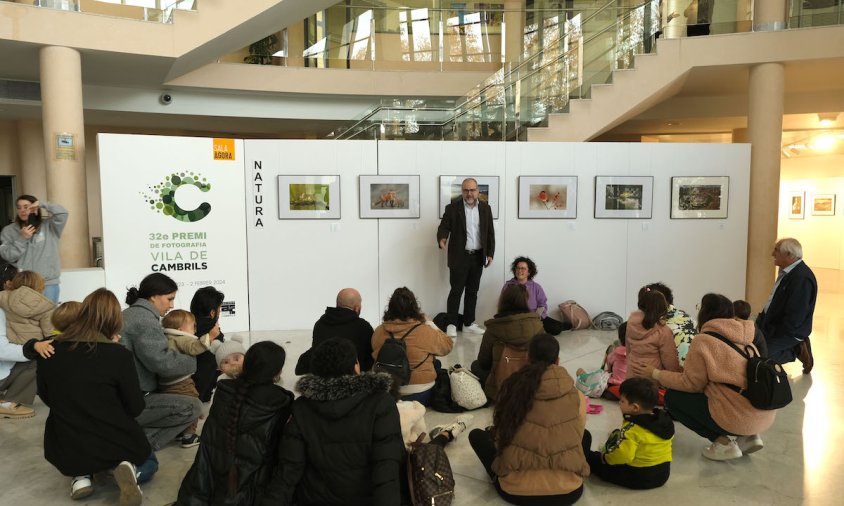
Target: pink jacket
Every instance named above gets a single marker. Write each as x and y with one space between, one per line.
711 363
617 363
652 346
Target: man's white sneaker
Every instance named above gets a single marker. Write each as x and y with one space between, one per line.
451 331
717 451
81 487
750 444
473 329
127 480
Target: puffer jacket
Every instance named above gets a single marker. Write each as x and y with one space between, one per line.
546 454
423 344
710 366
653 346
264 411
343 444
513 329
643 440
28 314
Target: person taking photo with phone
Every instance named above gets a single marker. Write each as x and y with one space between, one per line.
31 242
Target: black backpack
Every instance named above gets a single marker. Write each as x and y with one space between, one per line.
767 381
392 358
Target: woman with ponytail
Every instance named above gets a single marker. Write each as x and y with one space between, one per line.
238 452
165 415
533 452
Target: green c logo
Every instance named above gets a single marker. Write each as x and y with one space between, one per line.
161 197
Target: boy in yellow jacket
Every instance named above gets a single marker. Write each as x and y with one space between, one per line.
637 455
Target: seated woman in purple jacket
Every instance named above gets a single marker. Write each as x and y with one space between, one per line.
524 271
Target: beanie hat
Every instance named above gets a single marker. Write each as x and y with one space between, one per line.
233 344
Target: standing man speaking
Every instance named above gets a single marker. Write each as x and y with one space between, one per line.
468 222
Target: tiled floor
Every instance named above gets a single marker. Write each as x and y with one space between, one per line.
799 465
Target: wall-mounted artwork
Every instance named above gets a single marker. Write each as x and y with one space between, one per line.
451 189
624 196
823 204
309 197
699 197
797 205
389 196
548 197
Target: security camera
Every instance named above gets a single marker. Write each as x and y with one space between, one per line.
165 99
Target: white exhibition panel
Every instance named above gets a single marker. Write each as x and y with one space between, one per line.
296 267
138 239
602 263
407 249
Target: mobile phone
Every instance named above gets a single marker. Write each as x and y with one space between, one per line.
33 219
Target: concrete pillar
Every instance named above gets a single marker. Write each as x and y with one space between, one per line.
514 28
31 148
764 120
674 18
769 15
296 44
64 148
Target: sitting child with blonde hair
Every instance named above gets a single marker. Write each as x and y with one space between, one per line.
28 311
179 326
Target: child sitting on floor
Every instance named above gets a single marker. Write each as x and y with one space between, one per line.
27 310
616 363
637 455
229 357
179 327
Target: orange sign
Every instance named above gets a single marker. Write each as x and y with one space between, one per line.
224 149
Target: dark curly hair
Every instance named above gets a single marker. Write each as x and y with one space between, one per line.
517 393
712 307
530 264
334 358
403 306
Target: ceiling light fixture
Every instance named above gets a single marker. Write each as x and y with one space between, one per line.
826 119
825 142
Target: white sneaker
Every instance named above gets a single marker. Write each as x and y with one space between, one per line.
717 451
454 428
451 331
127 480
750 444
81 487
473 329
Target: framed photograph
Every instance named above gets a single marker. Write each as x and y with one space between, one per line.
624 196
823 204
389 196
451 188
547 196
699 197
308 197
797 205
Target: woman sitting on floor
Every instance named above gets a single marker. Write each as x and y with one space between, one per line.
524 270
534 452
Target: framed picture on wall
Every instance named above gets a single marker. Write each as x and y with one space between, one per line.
308 197
389 196
699 197
547 197
451 188
797 205
624 196
823 204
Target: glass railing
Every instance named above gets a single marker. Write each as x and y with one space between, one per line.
812 13
159 11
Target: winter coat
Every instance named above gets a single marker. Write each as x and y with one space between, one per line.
683 328
642 441
423 344
617 363
206 374
546 454
710 366
143 336
264 410
94 397
514 329
412 417
343 444
654 346
28 314
340 322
